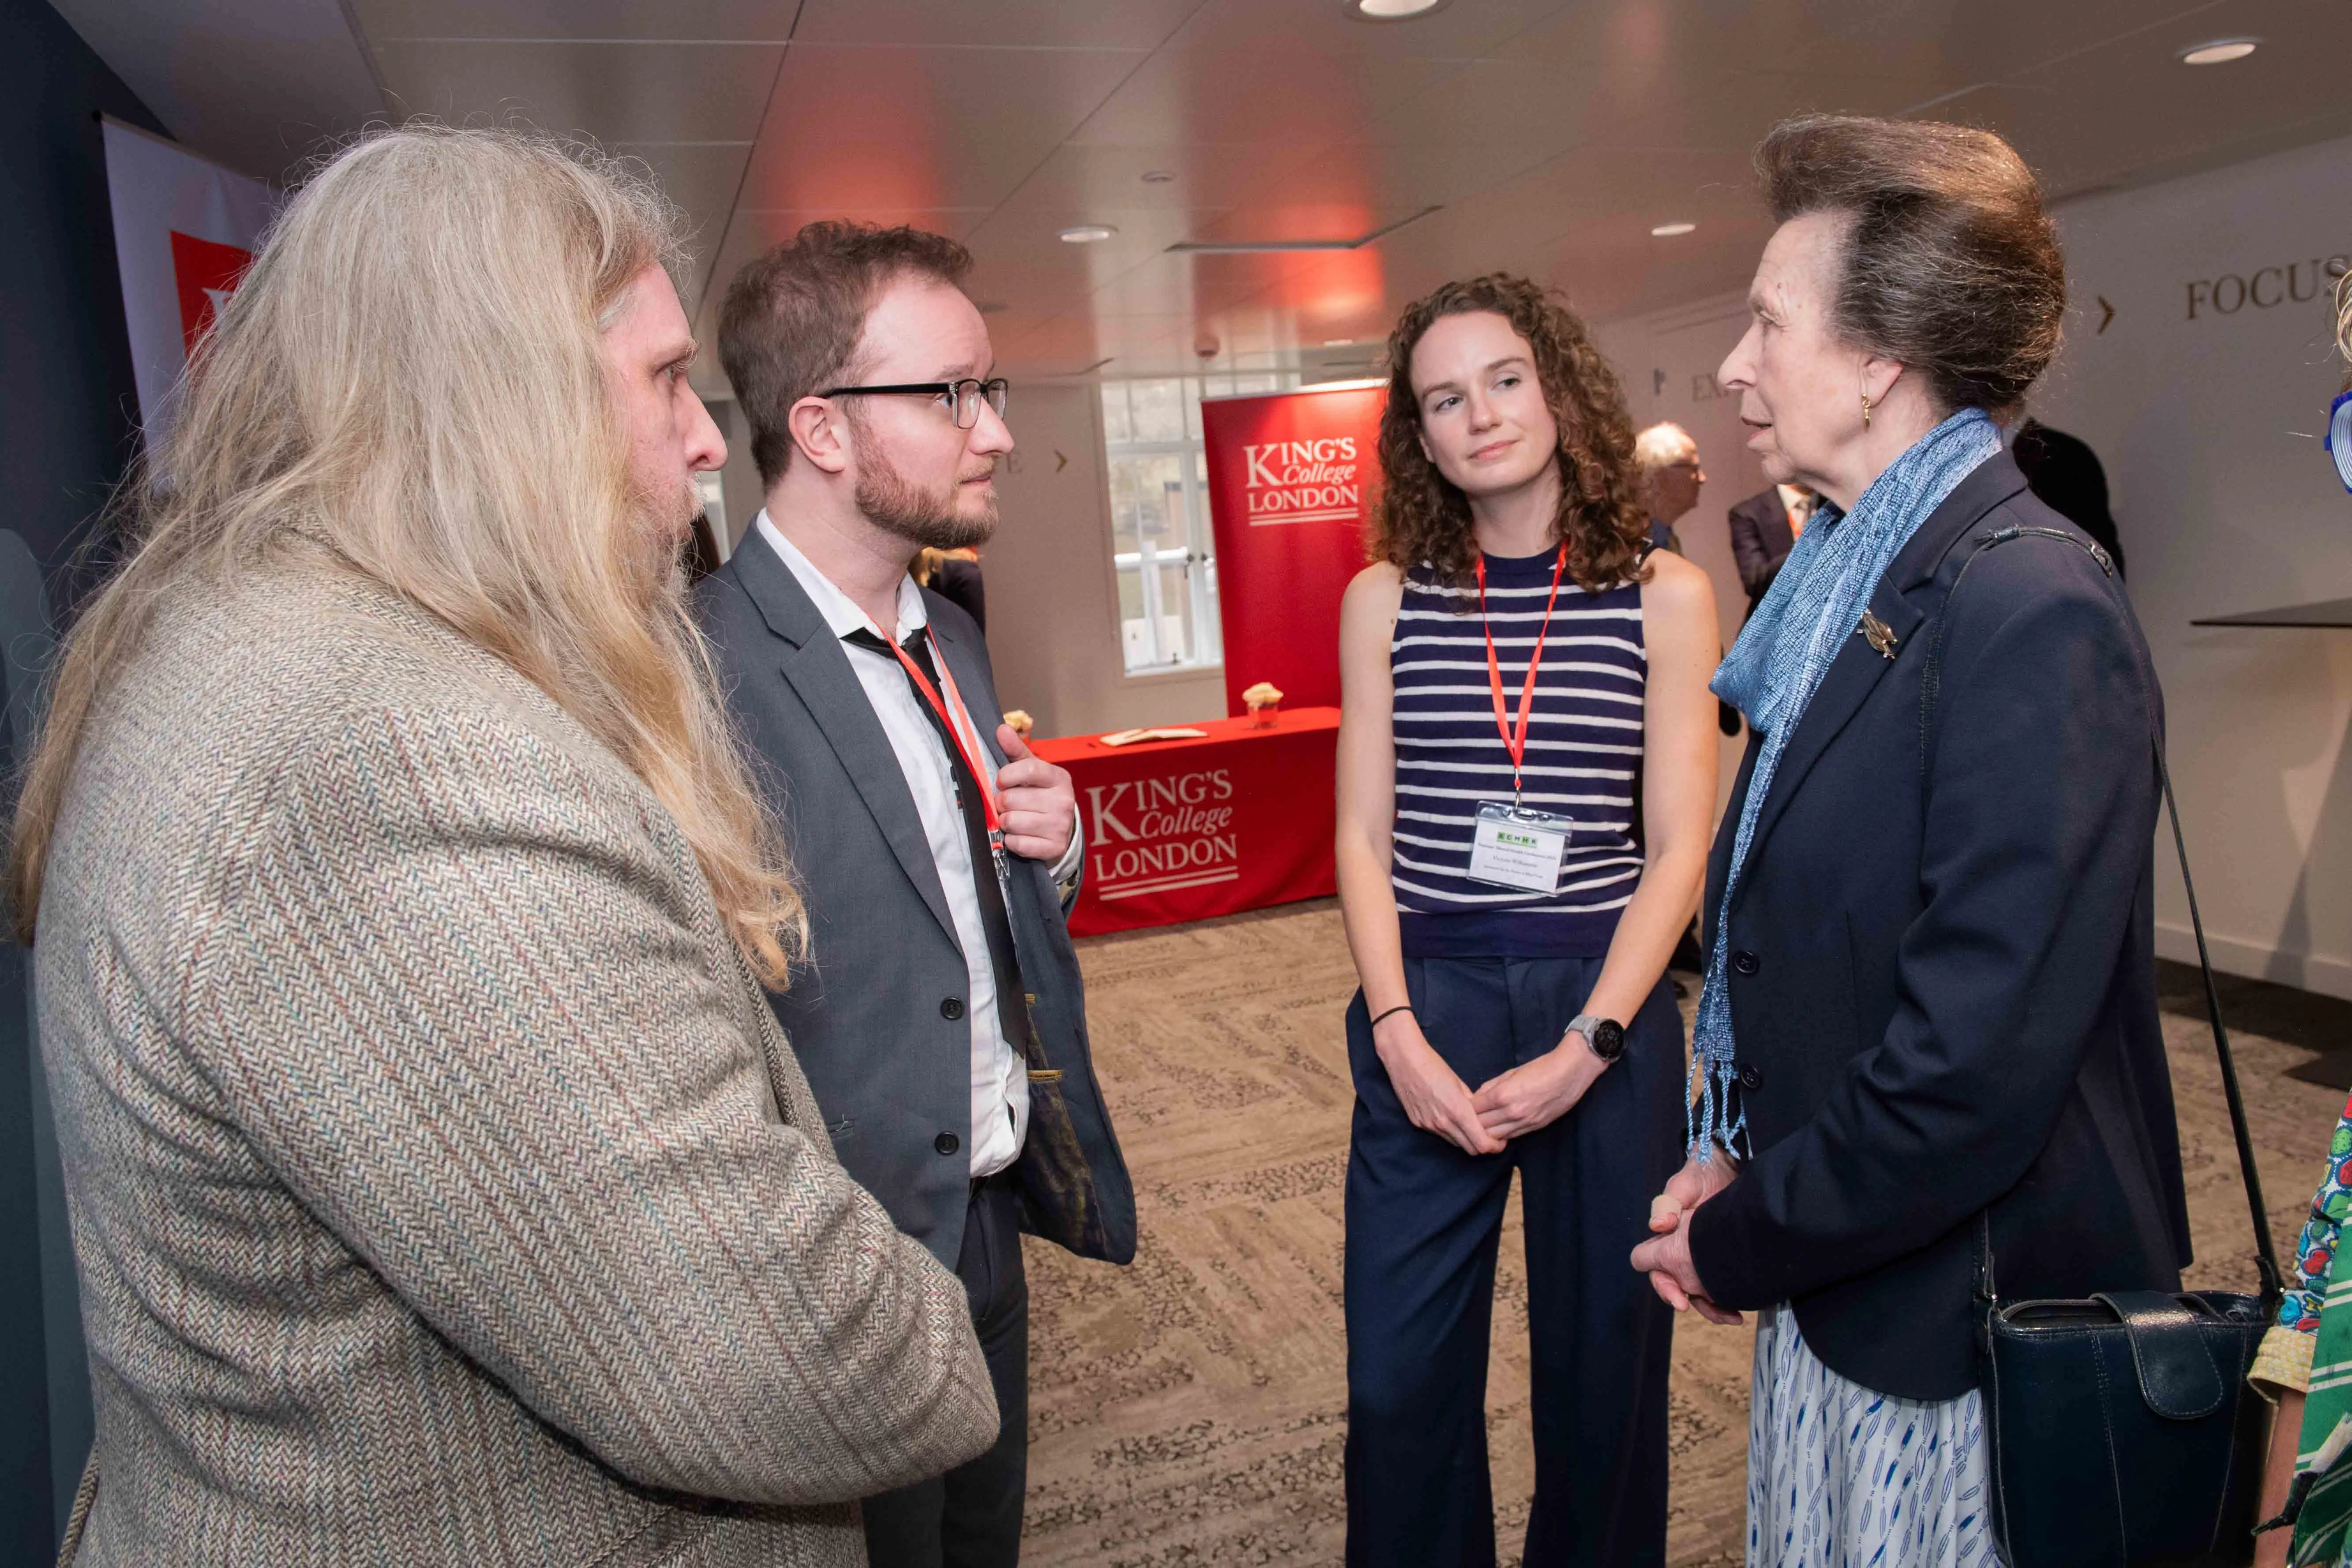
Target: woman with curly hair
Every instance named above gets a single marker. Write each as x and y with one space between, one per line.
1513 666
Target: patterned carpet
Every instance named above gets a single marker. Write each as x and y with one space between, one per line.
1189 1409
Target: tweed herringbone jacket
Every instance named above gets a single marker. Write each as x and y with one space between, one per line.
443 1190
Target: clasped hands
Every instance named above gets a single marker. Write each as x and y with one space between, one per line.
1666 1258
1531 1095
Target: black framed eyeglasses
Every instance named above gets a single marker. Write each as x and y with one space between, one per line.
966 395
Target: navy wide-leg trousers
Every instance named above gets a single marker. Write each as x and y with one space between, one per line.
1424 1220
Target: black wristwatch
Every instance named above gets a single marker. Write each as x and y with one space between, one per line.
1605 1037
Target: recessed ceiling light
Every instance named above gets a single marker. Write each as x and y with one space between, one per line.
2219 52
1391 10
1668 231
1338 342
1158 176
1088 233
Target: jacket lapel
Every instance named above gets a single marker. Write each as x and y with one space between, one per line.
1857 669
817 668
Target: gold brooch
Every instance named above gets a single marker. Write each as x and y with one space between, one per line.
1878 634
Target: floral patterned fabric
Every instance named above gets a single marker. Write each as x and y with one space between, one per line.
2285 1357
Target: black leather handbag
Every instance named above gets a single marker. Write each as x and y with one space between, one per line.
2121 1429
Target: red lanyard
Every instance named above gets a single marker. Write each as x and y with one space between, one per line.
1517 744
957 720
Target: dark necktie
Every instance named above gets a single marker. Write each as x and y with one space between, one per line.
1012 1011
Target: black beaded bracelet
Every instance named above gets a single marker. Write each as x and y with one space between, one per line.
1399 1008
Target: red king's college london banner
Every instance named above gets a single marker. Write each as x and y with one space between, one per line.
1291 479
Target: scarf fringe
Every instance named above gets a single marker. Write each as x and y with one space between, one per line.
1716 1119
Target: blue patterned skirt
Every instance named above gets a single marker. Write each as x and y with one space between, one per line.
1841 1477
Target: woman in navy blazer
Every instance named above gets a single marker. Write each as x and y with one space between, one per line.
1934 971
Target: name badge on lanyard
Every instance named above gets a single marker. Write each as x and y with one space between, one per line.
1515 846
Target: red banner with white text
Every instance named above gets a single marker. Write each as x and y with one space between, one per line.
1291 479
1185 831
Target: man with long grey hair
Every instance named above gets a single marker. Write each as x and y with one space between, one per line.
442 1186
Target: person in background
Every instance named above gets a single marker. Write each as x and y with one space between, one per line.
1764 528
1930 991
1666 461
442 1188
2067 477
2305 1364
1513 659
954 576
942 1020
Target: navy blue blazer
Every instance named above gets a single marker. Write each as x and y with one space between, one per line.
877 1015
1942 968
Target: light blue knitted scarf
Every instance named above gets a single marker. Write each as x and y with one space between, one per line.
1814 607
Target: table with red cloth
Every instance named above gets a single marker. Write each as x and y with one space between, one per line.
1181 830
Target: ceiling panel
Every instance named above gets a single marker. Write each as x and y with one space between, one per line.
920 127
2154 110
1023 263
387 21
1056 24
1285 29
1080 175
699 176
258 100
1256 98
615 92
1549 135
1422 174
1916 41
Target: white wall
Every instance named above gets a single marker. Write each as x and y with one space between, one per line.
1053 602
2208 428
2224 503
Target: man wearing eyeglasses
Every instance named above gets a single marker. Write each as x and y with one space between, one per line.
939 1017
1665 461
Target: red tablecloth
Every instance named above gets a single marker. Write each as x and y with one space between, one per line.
1180 830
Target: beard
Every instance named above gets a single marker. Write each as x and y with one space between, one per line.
897 506
662 539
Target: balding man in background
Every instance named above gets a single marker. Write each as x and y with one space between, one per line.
1665 460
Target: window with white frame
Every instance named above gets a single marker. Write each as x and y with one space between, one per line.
1161 537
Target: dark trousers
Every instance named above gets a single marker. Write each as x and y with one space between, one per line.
1425 1220
971 1517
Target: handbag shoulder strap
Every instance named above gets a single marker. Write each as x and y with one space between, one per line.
2265 1256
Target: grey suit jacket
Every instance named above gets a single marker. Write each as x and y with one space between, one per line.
878 1021
442 1188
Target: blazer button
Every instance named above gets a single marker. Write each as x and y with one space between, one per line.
1746 963
952 1008
946 1143
1751 1077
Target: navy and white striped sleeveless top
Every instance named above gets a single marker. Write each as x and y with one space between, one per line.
1584 752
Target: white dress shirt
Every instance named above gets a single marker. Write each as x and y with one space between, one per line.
1000 1077
1799 504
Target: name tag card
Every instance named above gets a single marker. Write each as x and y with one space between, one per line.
1518 847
